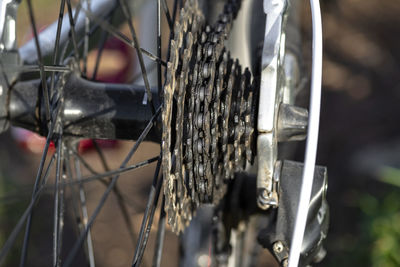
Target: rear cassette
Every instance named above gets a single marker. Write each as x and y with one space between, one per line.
208 102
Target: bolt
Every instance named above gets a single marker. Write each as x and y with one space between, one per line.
262 199
278 247
285 263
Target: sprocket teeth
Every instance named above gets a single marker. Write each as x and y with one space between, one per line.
207 119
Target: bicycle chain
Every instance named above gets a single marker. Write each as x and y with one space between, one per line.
208 114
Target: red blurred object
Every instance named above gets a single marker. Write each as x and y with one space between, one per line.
87 144
119 57
30 141
34 143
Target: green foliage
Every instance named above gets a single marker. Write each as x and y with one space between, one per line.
382 222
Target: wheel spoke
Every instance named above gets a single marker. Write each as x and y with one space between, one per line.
160 236
93 29
82 197
86 39
105 177
171 33
125 214
72 31
39 53
101 155
104 36
120 199
58 210
108 174
64 177
34 68
35 190
84 163
167 14
148 216
26 215
57 43
79 206
147 211
117 34
159 47
114 180
50 120
175 9
128 16
3 73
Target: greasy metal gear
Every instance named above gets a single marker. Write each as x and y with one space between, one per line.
208 114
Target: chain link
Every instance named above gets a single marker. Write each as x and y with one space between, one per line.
208 115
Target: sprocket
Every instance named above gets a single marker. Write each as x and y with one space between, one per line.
208 119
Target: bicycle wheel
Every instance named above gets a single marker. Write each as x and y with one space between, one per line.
198 103
72 239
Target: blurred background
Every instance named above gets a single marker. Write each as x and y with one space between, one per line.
360 134
359 142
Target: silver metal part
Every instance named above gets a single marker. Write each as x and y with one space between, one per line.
271 59
238 42
8 55
147 37
266 151
292 77
278 247
8 58
292 123
281 252
47 37
8 24
270 95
